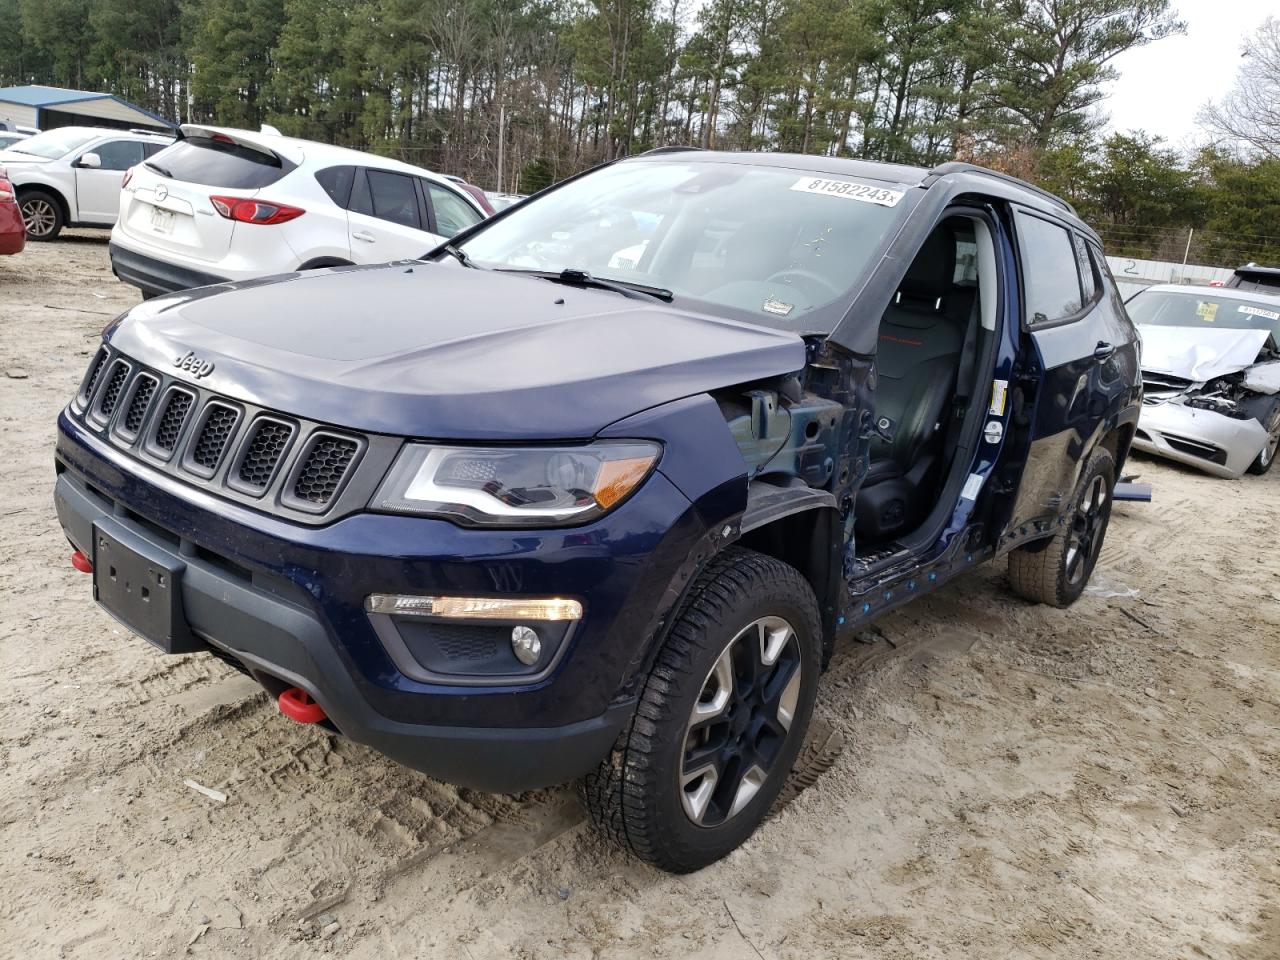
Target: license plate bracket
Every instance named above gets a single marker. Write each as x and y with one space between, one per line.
141 586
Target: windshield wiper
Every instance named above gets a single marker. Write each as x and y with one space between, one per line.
461 256
581 278
152 165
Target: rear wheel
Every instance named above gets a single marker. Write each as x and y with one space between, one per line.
1267 455
41 215
1056 571
721 719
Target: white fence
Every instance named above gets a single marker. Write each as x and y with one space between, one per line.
1133 274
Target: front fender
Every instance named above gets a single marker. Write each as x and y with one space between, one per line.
41 180
702 460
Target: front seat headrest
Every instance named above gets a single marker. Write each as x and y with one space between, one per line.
932 273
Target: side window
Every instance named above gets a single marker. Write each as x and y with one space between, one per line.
1088 277
118 154
360 201
453 214
1050 277
1103 272
336 182
392 197
151 149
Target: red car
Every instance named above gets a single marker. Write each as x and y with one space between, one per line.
13 233
475 191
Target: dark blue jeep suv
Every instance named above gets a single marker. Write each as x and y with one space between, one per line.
591 491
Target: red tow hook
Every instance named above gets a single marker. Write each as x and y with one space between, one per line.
81 562
297 705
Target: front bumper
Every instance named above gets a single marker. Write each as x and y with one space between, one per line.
1221 445
155 277
286 602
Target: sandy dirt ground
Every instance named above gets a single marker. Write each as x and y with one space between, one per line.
1015 781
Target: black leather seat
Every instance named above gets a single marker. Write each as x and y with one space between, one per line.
918 357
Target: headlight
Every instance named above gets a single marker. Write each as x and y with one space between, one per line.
515 486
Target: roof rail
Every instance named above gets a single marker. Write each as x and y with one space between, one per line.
154 133
957 166
675 148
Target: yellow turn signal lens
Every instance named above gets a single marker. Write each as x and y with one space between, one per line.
617 478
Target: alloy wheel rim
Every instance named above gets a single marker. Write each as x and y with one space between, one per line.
1087 526
37 217
1273 441
741 721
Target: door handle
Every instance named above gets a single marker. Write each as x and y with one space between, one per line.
366 237
1103 351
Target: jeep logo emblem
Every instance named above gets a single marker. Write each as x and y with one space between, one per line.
194 365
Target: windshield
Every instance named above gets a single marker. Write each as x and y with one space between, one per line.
778 245
1167 308
53 144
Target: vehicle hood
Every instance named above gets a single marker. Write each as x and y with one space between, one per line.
428 350
1199 354
9 157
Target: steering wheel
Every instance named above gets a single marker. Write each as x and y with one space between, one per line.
800 274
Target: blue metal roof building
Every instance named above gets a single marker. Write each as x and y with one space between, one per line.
47 107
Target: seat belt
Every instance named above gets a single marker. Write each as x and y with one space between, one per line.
966 374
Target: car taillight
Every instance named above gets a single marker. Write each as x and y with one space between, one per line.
128 175
6 188
255 211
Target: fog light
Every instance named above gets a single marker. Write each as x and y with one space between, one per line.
526 645
474 608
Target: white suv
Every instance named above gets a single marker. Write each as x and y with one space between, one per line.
224 204
71 176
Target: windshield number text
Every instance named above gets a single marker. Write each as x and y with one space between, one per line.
846 190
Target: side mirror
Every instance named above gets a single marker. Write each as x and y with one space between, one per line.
90 160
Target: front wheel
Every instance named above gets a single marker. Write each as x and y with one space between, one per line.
41 215
721 719
1056 571
1267 455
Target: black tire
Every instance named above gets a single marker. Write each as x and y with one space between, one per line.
1266 457
41 214
1056 571
638 796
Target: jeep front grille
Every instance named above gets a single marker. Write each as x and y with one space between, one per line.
323 469
144 388
176 408
214 433
263 452
111 393
91 377
259 457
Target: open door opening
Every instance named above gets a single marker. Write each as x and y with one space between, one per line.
936 344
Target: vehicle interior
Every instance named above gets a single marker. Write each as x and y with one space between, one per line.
936 339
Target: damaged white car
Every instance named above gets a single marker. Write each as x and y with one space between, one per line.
1211 377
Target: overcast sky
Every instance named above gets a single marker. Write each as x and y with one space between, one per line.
1163 84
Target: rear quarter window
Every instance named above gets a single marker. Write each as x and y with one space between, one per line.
336 182
1050 270
217 164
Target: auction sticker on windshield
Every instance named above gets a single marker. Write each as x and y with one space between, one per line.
847 190
1259 312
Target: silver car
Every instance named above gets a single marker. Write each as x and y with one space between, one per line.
1211 377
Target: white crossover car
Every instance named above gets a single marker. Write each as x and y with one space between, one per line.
224 204
1210 377
71 176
